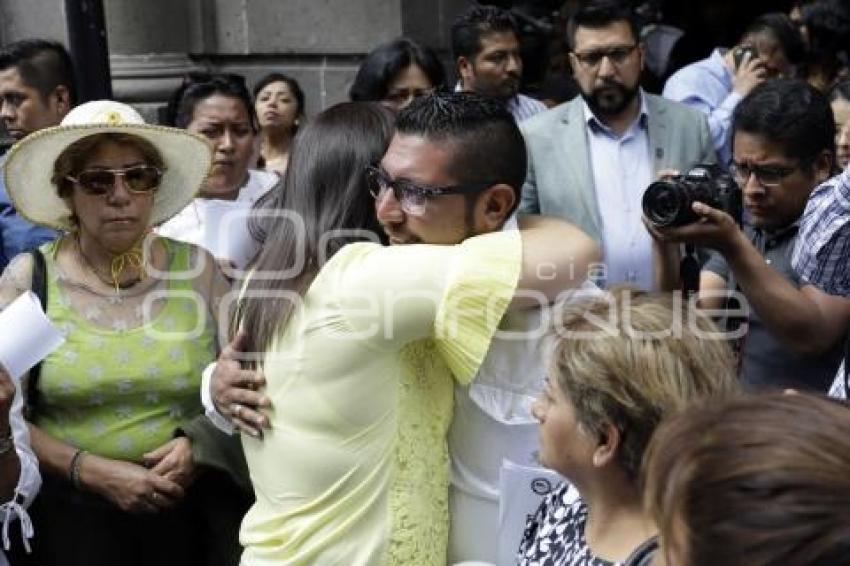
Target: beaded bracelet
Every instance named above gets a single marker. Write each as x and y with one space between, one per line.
74 469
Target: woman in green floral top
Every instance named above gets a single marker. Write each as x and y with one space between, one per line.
138 315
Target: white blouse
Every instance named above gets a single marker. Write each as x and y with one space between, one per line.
221 226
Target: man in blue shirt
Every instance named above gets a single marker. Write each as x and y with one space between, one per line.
717 84
36 91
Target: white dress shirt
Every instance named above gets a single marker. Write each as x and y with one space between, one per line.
622 170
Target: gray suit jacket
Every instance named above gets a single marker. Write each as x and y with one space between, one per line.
560 175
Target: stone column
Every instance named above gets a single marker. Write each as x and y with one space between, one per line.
149 45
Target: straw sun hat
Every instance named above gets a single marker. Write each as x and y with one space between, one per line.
29 168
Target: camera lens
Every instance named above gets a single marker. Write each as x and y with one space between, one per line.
666 204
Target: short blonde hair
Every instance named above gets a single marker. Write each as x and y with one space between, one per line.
630 359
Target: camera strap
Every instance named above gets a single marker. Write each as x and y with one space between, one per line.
689 269
39 287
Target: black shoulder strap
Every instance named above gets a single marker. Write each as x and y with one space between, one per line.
689 270
644 555
39 287
847 366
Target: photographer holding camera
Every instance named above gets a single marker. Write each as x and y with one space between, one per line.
783 147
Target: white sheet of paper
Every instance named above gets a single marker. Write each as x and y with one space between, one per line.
26 335
226 233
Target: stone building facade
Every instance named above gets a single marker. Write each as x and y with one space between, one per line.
153 43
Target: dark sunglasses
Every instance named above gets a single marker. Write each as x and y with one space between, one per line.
137 179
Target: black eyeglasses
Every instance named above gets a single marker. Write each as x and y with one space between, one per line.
413 198
767 176
138 179
617 55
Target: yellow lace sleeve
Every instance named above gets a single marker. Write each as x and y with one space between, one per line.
481 283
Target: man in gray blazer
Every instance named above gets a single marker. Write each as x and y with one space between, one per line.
590 159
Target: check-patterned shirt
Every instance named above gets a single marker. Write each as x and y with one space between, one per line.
822 254
823 248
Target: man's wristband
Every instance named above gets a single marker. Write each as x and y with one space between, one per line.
74 468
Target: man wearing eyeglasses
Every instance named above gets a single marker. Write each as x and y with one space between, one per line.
591 159
783 148
36 91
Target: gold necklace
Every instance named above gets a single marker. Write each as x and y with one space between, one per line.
131 258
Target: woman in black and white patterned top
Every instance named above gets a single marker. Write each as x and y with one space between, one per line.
605 394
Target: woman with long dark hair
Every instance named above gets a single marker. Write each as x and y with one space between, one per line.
325 187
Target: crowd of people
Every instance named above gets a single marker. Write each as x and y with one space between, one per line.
440 323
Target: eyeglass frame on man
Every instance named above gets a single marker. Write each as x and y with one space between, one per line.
776 173
617 55
378 179
115 174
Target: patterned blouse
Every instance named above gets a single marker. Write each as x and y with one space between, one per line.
554 536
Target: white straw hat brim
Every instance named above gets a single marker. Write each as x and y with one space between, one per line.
29 168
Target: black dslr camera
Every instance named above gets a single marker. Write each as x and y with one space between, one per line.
668 202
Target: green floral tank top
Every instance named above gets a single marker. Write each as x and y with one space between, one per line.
121 393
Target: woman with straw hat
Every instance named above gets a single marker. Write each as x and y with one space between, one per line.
134 309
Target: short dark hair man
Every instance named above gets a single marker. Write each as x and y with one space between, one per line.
36 91
715 85
783 147
469 138
591 159
486 50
